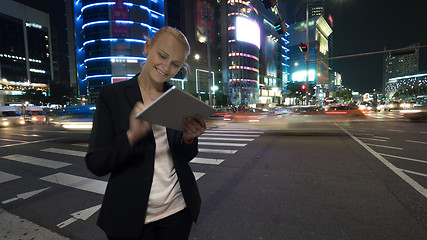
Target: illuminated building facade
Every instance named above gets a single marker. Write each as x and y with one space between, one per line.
25 52
110 38
398 64
408 86
318 71
243 47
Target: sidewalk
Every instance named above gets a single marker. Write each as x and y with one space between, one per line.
14 227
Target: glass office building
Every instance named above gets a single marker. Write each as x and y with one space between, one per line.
25 52
110 38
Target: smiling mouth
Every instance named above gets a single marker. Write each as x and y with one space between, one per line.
162 73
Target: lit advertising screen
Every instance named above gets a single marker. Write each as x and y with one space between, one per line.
270 55
247 31
301 76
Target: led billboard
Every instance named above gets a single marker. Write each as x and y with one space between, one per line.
248 31
301 76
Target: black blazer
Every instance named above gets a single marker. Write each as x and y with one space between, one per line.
131 169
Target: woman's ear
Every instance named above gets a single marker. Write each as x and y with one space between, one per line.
147 47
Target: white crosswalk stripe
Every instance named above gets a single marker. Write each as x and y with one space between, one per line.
37 161
209 161
6 177
224 151
223 144
82 183
65 151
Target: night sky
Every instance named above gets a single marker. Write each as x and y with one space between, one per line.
362 26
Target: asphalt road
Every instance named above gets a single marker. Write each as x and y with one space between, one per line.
289 179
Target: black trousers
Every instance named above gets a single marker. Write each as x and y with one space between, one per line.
176 227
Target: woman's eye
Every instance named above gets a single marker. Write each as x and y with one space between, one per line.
162 56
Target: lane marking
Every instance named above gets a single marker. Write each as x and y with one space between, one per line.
11 140
206 150
198 175
82 183
37 161
397 171
24 195
415 173
373 139
81 144
65 152
6 177
80 215
396 148
412 141
229 135
23 143
223 144
394 130
209 161
227 139
220 131
404 158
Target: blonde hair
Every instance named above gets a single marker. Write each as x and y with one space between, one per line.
179 36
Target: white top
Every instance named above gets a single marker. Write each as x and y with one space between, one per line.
165 194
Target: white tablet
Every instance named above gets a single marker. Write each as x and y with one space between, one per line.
172 107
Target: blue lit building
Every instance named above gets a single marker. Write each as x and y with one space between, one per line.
110 38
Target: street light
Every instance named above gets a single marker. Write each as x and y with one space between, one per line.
208 15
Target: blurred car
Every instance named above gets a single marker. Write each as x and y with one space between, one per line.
221 112
72 118
10 117
366 106
344 110
417 113
248 115
308 110
393 105
34 115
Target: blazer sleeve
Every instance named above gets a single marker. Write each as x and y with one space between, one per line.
107 150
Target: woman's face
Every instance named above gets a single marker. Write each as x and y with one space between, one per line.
164 58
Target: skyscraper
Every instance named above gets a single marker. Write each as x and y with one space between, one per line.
25 51
110 38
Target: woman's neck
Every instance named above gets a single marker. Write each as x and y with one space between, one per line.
148 85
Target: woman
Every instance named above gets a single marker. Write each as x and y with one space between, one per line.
151 192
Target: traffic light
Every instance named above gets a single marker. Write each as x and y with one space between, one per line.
303 47
269 3
281 27
303 87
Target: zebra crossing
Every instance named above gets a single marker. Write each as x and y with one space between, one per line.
384 115
214 146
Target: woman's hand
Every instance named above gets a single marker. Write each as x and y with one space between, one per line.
137 128
193 127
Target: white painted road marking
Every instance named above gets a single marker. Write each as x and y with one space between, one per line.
82 183
65 152
411 141
82 215
396 148
6 177
223 144
23 143
210 161
221 131
404 158
373 139
229 135
396 170
206 150
25 195
37 161
81 144
227 139
198 175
